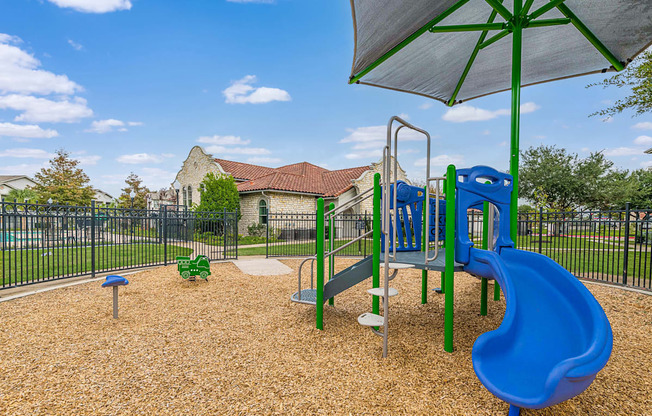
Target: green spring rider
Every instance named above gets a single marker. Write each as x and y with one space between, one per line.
188 269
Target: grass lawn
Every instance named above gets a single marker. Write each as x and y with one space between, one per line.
38 264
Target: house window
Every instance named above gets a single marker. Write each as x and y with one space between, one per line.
189 195
262 212
185 196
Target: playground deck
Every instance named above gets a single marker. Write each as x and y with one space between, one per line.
417 258
237 345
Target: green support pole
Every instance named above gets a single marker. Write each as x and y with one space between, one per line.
450 257
425 245
375 226
331 246
485 246
496 291
320 264
517 46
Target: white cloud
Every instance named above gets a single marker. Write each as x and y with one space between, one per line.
88 160
643 140
110 125
94 6
539 137
464 113
486 132
371 136
404 116
224 140
20 72
143 158
644 125
26 153
76 46
33 109
440 160
425 105
238 150
376 153
586 149
28 131
503 143
264 160
529 107
623 151
156 178
23 168
241 92
646 163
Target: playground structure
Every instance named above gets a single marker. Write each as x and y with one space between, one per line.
554 337
188 269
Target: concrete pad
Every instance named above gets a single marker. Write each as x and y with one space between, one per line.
262 267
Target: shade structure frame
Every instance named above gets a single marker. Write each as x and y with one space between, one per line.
532 22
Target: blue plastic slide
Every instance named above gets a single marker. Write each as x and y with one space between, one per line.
554 337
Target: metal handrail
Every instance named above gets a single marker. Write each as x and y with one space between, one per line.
313 258
427 224
353 201
342 247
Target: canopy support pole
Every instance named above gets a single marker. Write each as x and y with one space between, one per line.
517 47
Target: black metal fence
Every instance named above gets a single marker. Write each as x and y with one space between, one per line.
610 246
295 234
47 242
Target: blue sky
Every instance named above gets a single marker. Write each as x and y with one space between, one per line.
132 85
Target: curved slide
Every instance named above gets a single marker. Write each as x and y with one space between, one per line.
554 337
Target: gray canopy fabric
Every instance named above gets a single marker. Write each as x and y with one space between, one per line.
433 64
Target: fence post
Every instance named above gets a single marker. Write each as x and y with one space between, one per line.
92 238
237 235
540 230
165 235
224 231
267 236
626 255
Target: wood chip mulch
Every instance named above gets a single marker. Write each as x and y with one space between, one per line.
236 345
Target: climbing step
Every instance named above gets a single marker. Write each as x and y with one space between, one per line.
379 291
371 319
308 296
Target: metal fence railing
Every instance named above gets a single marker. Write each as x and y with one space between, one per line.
295 234
47 242
610 246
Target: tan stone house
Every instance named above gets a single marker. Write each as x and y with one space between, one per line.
292 188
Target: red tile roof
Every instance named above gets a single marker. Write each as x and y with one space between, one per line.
243 171
301 177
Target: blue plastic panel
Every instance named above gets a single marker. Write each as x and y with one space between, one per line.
472 191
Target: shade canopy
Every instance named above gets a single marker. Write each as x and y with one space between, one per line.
468 54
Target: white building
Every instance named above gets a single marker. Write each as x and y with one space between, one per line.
10 182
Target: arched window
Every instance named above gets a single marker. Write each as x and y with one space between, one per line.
185 196
189 195
262 212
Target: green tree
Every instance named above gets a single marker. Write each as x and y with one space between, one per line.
22 195
217 193
135 185
638 78
557 180
63 182
642 198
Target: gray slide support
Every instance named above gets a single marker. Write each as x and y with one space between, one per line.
349 277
